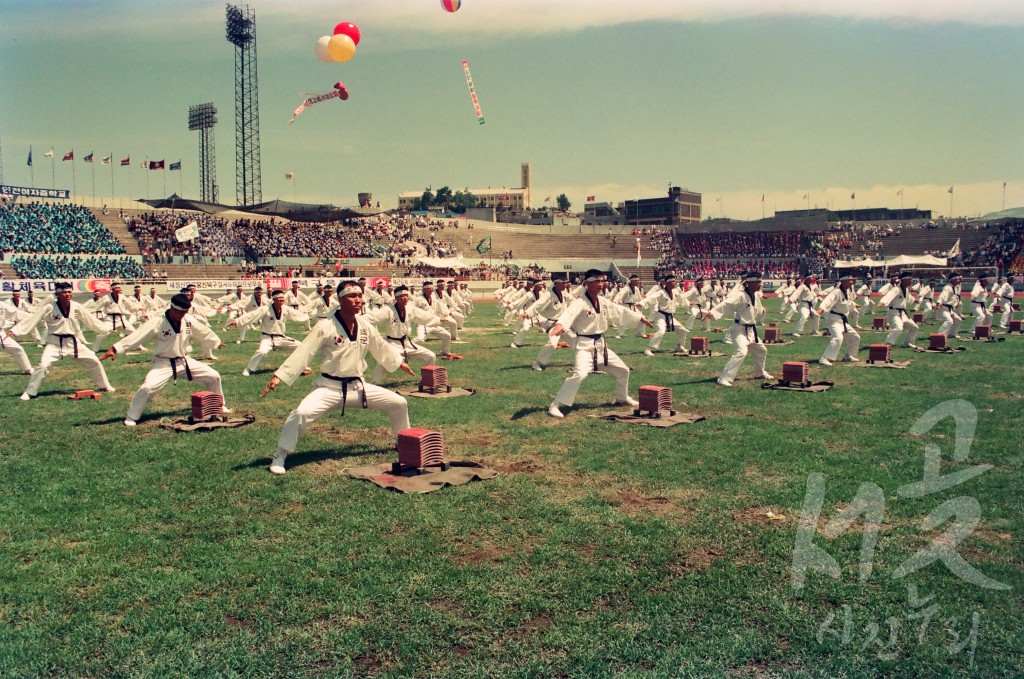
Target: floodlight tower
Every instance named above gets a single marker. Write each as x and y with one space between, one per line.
203 117
241 32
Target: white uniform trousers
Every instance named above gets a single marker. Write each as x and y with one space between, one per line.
951 321
838 331
661 326
897 320
53 353
438 331
327 394
585 347
853 318
14 349
524 327
745 341
411 352
639 326
981 315
120 324
161 372
789 314
805 313
460 319
1004 322
268 344
544 355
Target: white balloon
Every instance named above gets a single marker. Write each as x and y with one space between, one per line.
321 50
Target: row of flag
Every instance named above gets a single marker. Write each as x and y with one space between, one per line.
125 162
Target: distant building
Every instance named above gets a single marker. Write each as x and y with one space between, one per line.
678 208
867 214
503 198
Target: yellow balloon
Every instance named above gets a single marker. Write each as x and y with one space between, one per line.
341 47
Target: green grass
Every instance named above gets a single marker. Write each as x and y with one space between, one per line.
601 548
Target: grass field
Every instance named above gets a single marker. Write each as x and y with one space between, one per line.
600 549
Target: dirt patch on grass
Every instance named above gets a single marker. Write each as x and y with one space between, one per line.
487 552
516 466
763 516
237 623
697 560
633 503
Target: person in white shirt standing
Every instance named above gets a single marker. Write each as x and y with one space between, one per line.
343 342
173 334
748 310
979 302
839 305
590 317
1003 296
274 337
948 307
64 319
8 319
896 301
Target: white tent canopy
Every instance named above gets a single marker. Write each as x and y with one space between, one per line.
902 260
442 262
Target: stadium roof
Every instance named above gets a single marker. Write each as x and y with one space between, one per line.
1011 213
299 212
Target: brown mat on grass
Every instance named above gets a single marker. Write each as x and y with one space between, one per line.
182 423
456 391
686 354
947 350
665 420
817 386
458 473
865 364
981 339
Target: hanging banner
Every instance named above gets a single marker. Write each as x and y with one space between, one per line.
472 92
31 192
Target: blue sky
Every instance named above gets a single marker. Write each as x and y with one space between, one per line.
734 99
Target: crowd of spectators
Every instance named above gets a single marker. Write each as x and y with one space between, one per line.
747 244
155 233
54 228
772 268
1000 249
63 266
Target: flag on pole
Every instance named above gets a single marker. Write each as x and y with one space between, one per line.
484 245
591 199
805 197
70 155
30 157
548 199
289 175
900 192
88 158
175 166
107 160
126 161
145 165
762 199
950 190
188 232
955 250
853 196
49 154
156 165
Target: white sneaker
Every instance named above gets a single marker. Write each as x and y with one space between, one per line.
277 464
648 352
724 383
824 361
238 341
764 376
130 423
538 367
553 411
245 373
909 346
680 349
628 401
796 334
226 410
110 390
617 337
25 397
851 359
514 345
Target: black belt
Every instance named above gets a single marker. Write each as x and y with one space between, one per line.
1005 297
903 312
842 316
402 340
344 388
948 306
981 303
273 344
74 339
174 367
604 344
749 326
113 322
670 320
808 302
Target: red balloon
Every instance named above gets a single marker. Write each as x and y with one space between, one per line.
348 28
